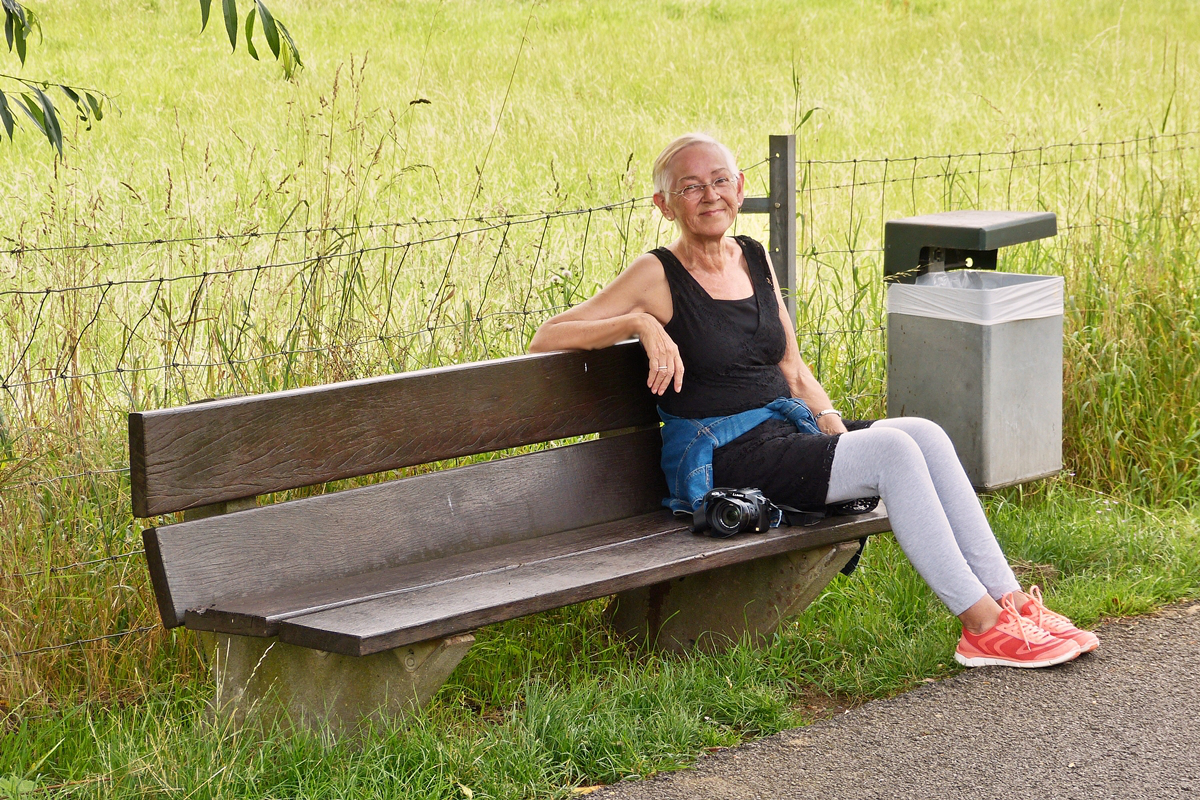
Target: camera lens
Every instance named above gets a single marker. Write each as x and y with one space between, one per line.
727 517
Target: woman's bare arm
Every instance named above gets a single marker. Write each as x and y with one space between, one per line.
637 303
802 382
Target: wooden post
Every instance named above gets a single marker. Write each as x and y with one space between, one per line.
780 204
227 507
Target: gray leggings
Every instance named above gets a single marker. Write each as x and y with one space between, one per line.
910 463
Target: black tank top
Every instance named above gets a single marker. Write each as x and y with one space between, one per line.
731 349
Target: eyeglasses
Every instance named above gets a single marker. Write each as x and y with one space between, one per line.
695 191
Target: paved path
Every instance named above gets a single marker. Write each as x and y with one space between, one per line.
1122 722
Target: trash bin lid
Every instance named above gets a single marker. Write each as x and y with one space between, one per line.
972 231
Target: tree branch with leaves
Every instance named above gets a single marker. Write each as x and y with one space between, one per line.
32 101
283 47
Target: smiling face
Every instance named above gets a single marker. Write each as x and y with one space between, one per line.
708 211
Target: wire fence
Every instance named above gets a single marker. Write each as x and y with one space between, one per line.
100 328
65 645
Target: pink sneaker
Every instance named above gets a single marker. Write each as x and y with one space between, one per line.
1056 624
1013 641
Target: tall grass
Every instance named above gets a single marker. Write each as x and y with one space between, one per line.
307 247
1132 417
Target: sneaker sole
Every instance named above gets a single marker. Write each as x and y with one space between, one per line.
992 661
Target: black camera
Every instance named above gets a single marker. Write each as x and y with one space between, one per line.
725 512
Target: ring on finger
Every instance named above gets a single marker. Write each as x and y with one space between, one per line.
660 369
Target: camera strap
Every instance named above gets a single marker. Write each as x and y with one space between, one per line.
797 518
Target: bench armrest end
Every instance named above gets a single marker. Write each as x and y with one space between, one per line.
137 465
171 617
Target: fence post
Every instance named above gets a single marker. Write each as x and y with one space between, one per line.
780 205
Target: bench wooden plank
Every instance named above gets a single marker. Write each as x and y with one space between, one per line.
196 564
484 597
222 450
260 615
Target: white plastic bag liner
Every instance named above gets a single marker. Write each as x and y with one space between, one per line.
981 297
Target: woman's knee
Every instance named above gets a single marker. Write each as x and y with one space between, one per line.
891 447
927 433
877 460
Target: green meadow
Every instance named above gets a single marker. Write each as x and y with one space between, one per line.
442 176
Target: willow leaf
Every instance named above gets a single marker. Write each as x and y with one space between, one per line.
269 28
250 34
6 116
32 110
230 9
53 128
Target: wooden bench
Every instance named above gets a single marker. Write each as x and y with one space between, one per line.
361 602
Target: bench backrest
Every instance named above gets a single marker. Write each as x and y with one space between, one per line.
230 449
222 450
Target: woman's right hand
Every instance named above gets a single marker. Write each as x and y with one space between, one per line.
666 367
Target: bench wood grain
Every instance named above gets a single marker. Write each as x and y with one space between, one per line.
196 564
412 603
210 452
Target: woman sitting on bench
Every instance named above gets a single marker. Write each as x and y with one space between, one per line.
708 306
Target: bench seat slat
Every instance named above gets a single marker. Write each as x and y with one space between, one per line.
260 615
537 575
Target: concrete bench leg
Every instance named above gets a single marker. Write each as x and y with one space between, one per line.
268 680
715 610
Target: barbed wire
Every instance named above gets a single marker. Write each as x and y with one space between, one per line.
842 331
423 330
814 253
948 173
492 221
91 473
319 258
235 362
498 220
77 565
1110 222
1011 152
495 222
77 642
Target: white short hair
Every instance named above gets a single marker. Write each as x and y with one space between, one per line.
658 172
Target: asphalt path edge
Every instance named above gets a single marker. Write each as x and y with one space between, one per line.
1123 721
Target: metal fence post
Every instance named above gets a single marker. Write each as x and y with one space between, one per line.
780 205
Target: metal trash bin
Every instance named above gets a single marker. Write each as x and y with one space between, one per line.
978 352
